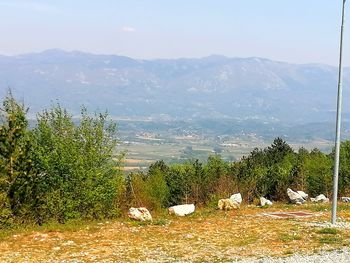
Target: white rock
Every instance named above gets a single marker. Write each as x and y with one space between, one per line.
294 197
227 204
320 199
181 210
140 214
303 194
264 201
345 199
236 198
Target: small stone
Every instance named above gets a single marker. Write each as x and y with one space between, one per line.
264 201
140 214
320 199
227 204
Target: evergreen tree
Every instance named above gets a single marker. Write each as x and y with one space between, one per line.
15 161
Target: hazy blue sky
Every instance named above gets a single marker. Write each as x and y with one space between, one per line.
290 30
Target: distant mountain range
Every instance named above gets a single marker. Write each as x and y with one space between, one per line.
209 87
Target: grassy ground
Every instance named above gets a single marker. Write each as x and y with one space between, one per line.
208 235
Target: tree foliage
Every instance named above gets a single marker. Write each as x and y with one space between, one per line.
264 172
15 162
59 170
65 168
77 173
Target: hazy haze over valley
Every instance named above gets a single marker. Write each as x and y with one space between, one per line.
160 80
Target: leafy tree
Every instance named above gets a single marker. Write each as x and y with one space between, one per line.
158 166
318 169
219 181
156 185
15 162
199 183
279 177
344 171
157 190
178 184
299 175
277 151
149 190
251 174
79 174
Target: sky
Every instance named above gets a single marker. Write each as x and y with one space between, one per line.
296 31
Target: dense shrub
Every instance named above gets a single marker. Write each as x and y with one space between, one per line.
178 183
344 171
16 167
318 170
149 190
222 181
77 173
60 169
264 172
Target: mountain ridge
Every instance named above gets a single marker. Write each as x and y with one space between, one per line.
212 87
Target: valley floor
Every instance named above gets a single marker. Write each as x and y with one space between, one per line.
208 235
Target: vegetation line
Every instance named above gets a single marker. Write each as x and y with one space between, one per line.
62 170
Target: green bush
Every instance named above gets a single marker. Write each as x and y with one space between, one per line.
77 170
16 166
66 169
148 190
318 173
60 170
344 171
178 184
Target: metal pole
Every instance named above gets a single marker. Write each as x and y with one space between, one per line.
338 122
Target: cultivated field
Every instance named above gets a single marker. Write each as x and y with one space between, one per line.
208 235
140 154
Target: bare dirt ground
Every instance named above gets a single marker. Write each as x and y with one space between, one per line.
208 235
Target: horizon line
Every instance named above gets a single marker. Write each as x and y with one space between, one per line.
154 59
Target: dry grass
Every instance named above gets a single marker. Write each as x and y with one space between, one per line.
208 235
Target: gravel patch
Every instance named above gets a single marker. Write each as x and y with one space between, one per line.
339 256
339 224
